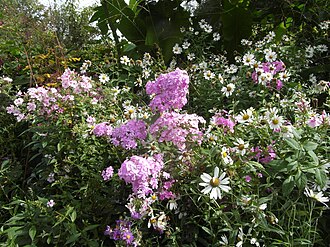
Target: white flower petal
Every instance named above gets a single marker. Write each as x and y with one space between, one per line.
207 190
214 194
206 177
218 192
225 188
216 172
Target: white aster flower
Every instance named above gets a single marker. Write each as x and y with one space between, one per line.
124 60
248 59
104 78
225 156
318 196
191 56
270 56
216 36
185 45
177 49
224 240
214 185
275 122
228 90
245 117
208 75
241 146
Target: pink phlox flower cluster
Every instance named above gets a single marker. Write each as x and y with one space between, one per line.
70 79
107 173
315 120
127 134
169 90
263 155
102 129
224 121
142 173
268 74
139 207
165 193
178 129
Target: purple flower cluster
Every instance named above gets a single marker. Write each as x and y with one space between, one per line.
107 173
50 102
102 129
122 231
127 134
142 173
263 155
270 74
170 91
225 122
78 84
178 129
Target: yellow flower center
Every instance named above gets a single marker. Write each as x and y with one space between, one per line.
224 154
228 88
128 236
241 146
275 121
214 182
152 221
130 111
246 117
153 197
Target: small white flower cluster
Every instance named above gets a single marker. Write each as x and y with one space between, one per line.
190 6
205 26
84 66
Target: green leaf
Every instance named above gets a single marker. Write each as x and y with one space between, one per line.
292 143
73 215
301 180
292 166
73 238
314 157
91 227
128 47
32 232
287 186
309 146
321 177
207 230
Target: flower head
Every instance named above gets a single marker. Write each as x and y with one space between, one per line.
214 185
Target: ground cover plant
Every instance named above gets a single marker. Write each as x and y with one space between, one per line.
202 149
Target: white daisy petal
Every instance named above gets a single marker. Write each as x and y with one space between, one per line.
206 177
216 172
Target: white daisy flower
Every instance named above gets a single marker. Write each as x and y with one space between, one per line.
241 146
318 197
275 122
245 117
216 36
214 185
270 56
284 76
191 56
177 49
185 45
104 78
208 75
228 90
248 59
124 60
225 156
